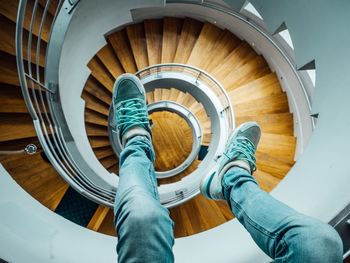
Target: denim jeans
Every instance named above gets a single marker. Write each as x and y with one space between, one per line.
145 230
143 226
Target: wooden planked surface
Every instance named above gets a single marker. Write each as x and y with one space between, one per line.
250 71
171 33
98 218
100 73
189 34
137 40
154 39
172 140
95 118
8 69
16 126
37 177
238 57
110 61
96 89
121 46
265 86
11 99
197 215
225 44
280 123
205 42
267 105
95 104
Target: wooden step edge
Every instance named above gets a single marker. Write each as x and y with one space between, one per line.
57 197
98 217
101 73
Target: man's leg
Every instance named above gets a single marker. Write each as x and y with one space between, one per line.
144 228
281 232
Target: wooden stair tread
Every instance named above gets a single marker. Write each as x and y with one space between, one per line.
96 130
98 217
225 44
165 94
95 118
172 140
268 105
280 123
121 47
278 145
171 34
204 44
110 61
137 40
100 73
206 138
8 69
103 152
238 57
96 89
36 177
259 88
113 168
174 93
107 225
196 215
150 97
109 161
154 38
181 97
16 126
273 165
98 142
12 99
188 100
157 94
253 69
190 31
93 103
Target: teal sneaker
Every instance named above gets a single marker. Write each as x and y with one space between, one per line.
130 109
240 151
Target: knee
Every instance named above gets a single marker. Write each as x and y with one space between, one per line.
319 242
145 214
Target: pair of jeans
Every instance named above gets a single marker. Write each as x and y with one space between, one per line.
145 230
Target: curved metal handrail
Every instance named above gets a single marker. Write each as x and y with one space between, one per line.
34 90
200 73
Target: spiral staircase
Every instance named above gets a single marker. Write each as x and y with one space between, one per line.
156 45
